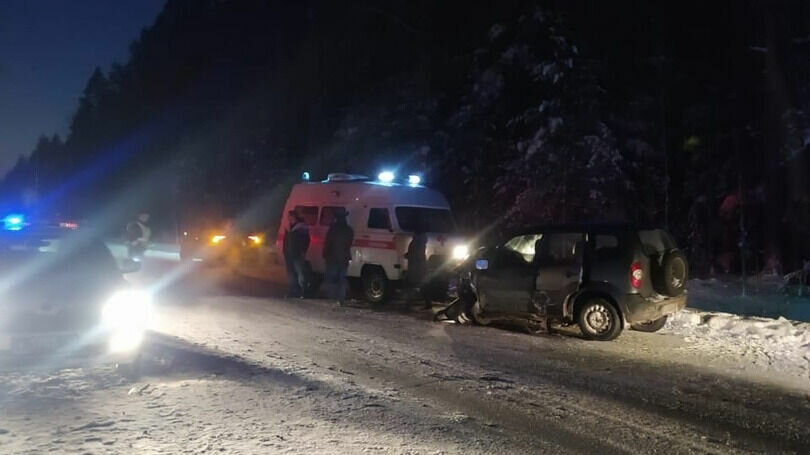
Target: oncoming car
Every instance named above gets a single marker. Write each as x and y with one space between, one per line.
384 213
64 297
222 245
209 242
601 278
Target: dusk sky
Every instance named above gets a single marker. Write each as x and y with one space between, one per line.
48 49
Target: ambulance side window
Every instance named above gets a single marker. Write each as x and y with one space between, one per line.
379 219
328 215
309 213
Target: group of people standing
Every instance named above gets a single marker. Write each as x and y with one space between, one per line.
337 255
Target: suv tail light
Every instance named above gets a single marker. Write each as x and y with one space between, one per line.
636 275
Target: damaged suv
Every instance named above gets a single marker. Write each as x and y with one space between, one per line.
601 278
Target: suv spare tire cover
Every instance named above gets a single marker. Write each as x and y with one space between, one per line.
672 274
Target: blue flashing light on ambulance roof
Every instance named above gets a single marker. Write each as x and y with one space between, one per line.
13 222
414 180
386 177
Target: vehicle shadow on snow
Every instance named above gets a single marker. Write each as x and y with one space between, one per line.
165 355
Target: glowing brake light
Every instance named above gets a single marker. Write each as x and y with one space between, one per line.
636 275
69 225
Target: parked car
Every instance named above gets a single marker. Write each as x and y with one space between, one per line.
209 241
601 278
64 297
384 214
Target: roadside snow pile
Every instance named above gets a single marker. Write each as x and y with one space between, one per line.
781 330
779 344
763 298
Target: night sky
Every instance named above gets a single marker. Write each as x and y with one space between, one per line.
48 49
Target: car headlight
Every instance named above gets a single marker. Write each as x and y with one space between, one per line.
126 308
461 252
126 316
255 239
216 239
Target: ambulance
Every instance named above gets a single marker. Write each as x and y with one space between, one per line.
383 213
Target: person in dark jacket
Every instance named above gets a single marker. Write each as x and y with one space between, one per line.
337 254
417 264
138 234
296 244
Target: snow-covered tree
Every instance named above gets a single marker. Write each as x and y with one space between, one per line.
531 126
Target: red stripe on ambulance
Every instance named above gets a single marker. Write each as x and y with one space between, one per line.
379 244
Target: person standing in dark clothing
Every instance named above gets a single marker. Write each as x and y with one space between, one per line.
337 254
417 265
296 244
138 234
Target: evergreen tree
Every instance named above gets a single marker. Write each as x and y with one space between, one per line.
534 111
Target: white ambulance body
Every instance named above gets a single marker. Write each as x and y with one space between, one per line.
383 216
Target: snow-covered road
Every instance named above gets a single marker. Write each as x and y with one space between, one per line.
234 373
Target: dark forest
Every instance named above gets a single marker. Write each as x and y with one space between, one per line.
692 115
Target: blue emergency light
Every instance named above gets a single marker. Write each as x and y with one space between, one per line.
13 222
386 177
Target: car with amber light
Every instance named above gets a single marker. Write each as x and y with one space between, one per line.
209 241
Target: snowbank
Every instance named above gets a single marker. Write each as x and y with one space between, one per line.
778 344
763 298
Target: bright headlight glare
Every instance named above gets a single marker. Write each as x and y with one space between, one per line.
126 310
125 340
461 252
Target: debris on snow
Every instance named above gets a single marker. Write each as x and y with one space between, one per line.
495 378
139 390
458 417
94 425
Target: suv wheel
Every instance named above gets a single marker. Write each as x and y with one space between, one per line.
599 320
651 326
375 285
